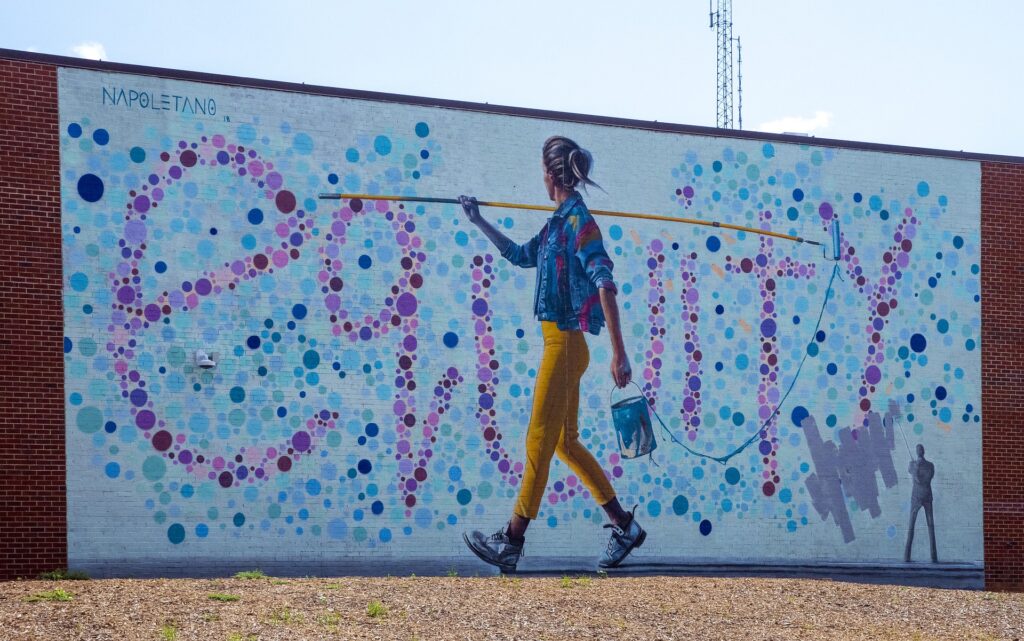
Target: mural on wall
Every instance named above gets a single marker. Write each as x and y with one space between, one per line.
375 359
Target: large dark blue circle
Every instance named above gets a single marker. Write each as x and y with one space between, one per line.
90 188
918 343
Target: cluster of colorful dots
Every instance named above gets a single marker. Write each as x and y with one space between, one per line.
769 272
881 295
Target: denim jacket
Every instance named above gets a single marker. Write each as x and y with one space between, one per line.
572 266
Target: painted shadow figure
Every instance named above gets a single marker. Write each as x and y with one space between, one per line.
922 471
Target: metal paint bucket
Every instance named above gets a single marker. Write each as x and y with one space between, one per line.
632 420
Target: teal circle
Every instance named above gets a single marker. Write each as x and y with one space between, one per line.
89 419
732 476
137 154
382 145
237 394
422 130
153 468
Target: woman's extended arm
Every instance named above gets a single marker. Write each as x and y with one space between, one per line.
519 255
622 373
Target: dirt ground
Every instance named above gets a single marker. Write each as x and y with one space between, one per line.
579 608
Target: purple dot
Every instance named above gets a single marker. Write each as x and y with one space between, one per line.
138 397
135 230
301 441
126 295
225 479
409 343
203 287
768 328
365 333
872 375
486 401
825 211
765 448
406 304
185 457
174 172
145 419
479 307
694 383
152 312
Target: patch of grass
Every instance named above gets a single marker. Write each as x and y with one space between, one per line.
168 632
251 574
210 617
64 574
284 616
581 581
332 586
224 598
602 574
329 618
237 636
452 572
376 609
278 582
56 594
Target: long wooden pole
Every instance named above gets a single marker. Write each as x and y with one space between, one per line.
598 212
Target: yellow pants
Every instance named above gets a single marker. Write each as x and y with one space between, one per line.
554 423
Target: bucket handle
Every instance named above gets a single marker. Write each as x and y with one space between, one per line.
642 395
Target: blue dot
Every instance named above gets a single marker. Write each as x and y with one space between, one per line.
940 393
792 213
385 535
799 414
303 144
732 476
464 497
451 339
857 197
705 527
365 466
313 487
176 533
768 150
615 232
832 369
424 154
90 188
922 189
74 130
255 216
461 238
717 165
113 470
713 243
422 130
352 154
680 505
365 261
299 311
137 154
202 530
798 195
918 343
875 202
101 136
160 267
253 342
958 242
332 178
382 145
238 519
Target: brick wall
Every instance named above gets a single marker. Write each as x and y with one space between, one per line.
1002 331
33 523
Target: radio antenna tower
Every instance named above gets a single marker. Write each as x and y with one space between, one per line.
720 19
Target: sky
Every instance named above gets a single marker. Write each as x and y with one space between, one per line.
942 74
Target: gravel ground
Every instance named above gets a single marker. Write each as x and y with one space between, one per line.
503 608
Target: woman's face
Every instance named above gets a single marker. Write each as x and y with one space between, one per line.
548 182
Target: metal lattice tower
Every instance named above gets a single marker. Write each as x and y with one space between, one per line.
720 19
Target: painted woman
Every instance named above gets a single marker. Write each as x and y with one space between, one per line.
575 295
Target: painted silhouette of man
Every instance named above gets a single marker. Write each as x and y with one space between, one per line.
922 471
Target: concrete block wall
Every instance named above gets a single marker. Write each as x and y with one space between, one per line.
375 360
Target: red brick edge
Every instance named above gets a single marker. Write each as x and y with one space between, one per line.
1002 373
33 500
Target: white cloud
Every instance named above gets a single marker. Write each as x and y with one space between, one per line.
91 50
798 124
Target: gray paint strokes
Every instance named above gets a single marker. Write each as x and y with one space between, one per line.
850 470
